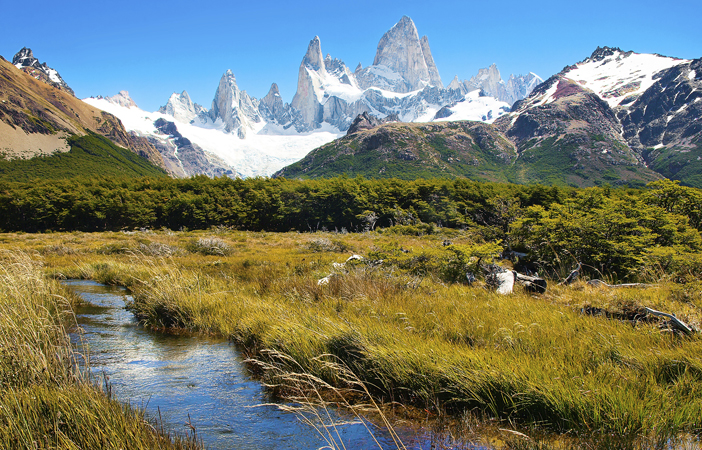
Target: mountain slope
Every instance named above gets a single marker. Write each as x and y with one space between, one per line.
37 119
618 117
89 155
407 150
566 134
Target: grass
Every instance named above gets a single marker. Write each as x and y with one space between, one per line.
46 400
541 361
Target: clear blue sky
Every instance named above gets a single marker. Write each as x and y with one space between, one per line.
153 48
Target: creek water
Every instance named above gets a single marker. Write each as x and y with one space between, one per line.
199 380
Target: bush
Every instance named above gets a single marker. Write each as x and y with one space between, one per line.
209 246
327 245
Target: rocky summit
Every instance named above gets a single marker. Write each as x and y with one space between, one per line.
25 61
614 117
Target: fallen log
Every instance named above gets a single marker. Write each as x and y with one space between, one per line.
675 322
600 283
532 284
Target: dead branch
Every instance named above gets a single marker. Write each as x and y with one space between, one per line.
572 277
675 322
600 283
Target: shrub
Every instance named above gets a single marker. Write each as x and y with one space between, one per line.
209 246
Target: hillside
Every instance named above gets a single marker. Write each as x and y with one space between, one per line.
411 150
89 155
570 155
39 120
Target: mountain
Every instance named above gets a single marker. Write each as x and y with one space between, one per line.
614 116
402 81
37 119
181 108
26 62
244 136
210 149
407 150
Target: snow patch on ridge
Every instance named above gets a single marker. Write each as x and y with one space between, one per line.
621 75
475 107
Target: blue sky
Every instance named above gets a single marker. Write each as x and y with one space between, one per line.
155 48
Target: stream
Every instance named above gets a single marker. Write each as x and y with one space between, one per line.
199 380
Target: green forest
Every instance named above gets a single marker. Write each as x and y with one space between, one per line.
622 232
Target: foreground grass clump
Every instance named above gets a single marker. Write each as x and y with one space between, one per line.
574 359
46 400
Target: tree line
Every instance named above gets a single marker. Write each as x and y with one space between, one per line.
619 231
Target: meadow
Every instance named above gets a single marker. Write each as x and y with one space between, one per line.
581 361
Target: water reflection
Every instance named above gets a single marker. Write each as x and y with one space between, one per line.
198 376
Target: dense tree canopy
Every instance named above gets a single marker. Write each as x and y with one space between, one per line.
615 231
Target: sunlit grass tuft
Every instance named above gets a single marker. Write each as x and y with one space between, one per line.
46 399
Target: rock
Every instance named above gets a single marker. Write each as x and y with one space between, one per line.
400 50
306 99
434 77
122 99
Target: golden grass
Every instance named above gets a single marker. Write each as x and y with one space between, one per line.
46 400
541 360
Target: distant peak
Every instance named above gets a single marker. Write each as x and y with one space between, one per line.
313 57
23 54
122 99
274 89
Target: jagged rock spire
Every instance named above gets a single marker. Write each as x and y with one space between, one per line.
313 58
434 76
305 99
235 108
400 49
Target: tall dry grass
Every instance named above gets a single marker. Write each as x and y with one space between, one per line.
46 400
577 359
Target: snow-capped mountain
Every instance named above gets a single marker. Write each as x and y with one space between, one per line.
245 136
615 112
223 153
182 108
25 61
490 83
